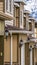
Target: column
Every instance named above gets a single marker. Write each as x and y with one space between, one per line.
30 56
11 49
23 54
27 23
34 55
33 26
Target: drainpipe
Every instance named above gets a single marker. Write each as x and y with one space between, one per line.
11 49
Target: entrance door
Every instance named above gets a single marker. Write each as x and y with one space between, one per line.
1 50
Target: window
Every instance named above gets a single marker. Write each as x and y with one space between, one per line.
35 30
30 26
17 12
21 17
8 4
16 15
17 21
24 24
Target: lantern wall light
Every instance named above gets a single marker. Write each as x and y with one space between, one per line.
6 33
21 43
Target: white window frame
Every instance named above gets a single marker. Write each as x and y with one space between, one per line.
21 19
8 11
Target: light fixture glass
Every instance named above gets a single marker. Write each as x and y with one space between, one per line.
20 43
6 33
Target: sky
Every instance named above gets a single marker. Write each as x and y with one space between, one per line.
32 7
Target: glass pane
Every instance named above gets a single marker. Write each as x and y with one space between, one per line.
10 5
6 4
25 23
30 26
14 48
17 22
17 12
21 17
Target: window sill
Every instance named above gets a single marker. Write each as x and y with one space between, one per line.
5 16
9 13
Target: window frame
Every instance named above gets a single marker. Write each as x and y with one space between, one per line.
8 10
24 24
30 26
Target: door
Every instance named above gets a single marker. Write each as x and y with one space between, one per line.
1 50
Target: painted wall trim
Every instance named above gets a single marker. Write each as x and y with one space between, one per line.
21 31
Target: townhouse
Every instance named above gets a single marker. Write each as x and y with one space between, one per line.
3 16
35 49
35 44
17 43
17 32
31 25
19 27
32 42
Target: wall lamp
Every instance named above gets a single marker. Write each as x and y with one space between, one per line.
28 37
35 45
6 33
30 47
21 43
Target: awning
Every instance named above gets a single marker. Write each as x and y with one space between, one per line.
34 39
20 31
20 1
26 11
31 18
16 4
14 29
4 16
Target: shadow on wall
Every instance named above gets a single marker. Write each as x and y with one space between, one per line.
36 63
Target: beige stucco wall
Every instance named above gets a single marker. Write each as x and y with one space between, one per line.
1 5
14 48
23 37
27 54
7 50
36 54
35 31
1 27
16 51
31 44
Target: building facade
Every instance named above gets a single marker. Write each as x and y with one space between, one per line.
16 52
17 43
3 17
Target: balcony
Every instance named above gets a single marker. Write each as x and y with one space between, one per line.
4 16
20 1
